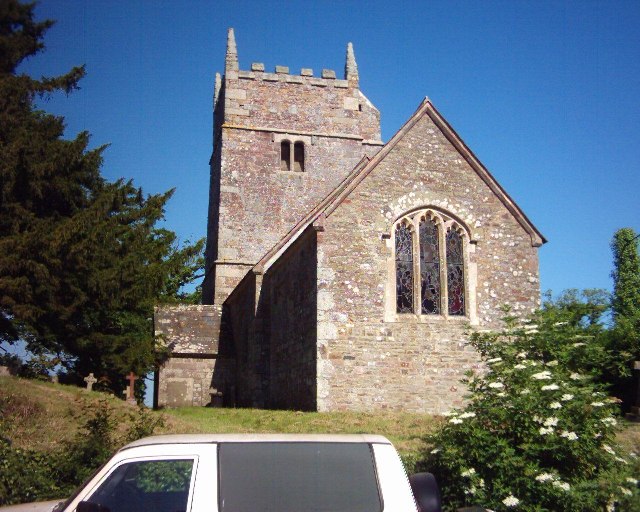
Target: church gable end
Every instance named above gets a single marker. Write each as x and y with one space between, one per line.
422 246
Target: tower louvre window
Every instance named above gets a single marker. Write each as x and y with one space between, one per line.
298 157
285 155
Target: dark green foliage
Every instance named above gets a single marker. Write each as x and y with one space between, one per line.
625 335
26 475
626 276
29 475
82 261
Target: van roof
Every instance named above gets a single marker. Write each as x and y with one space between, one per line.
258 438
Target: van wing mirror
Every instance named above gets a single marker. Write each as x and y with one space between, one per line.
425 491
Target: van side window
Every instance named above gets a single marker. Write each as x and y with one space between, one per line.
290 477
158 485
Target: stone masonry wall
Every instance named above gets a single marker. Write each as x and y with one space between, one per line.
258 202
291 285
187 329
370 357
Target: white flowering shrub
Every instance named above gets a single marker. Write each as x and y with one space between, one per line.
536 434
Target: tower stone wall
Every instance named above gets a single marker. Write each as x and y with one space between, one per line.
253 201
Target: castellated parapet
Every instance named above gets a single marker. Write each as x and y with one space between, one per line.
254 199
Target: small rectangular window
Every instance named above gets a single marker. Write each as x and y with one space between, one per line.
291 477
298 157
285 155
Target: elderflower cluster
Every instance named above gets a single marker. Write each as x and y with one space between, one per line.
511 501
545 375
555 481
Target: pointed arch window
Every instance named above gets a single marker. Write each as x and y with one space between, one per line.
430 265
404 268
455 273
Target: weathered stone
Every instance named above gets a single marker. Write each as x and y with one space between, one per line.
257 66
90 380
304 313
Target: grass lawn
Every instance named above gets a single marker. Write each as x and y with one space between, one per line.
405 430
42 416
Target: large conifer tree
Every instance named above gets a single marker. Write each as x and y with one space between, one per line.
81 260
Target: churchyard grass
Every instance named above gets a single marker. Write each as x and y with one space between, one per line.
42 416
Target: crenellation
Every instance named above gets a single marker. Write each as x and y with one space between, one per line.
328 73
257 66
282 70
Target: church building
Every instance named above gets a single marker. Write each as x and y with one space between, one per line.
342 272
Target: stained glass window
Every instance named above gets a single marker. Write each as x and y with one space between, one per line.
455 273
404 269
429 267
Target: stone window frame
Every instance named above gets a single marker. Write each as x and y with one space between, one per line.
444 221
292 140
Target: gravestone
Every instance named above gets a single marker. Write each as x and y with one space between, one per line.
90 380
4 371
130 396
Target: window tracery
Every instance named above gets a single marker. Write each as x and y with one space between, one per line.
455 273
429 267
430 277
404 268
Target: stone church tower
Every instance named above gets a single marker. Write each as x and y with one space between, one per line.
281 143
341 272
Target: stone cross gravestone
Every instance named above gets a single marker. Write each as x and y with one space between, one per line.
90 380
132 378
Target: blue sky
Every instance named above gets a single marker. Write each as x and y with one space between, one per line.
544 93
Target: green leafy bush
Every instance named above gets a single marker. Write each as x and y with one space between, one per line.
30 475
536 434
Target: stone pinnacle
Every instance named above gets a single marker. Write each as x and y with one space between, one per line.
350 66
231 59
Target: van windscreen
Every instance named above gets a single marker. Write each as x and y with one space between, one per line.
297 477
